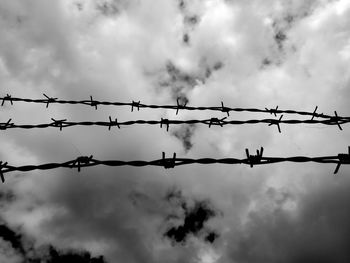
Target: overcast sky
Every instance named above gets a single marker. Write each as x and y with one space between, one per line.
290 53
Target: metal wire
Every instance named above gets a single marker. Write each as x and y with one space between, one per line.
63 123
138 105
259 159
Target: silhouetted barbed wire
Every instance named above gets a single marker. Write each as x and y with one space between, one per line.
63 123
137 105
251 160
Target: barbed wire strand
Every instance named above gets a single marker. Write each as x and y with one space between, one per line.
63 123
251 160
138 105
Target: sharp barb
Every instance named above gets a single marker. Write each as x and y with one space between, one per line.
337 168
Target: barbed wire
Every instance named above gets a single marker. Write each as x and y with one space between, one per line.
138 105
251 160
63 123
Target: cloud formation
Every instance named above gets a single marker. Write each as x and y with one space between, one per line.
294 54
194 219
311 226
23 250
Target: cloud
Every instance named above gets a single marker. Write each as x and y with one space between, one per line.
25 251
310 226
194 219
11 237
293 54
184 133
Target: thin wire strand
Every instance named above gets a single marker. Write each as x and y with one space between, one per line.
95 103
167 122
84 161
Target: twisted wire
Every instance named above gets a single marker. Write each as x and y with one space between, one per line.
138 105
259 159
63 123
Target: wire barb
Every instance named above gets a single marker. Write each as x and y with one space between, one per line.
254 159
49 100
225 109
2 165
335 120
7 97
113 123
82 160
314 114
4 126
272 111
165 122
213 121
93 103
277 122
58 123
178 106
168 162
135 104
216 121
344 158
251 160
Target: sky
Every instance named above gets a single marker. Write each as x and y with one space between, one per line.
294 54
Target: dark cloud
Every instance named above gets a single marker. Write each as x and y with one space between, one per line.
184 133
107 8
176 75
178 81
79 6
48 254
6 196
218 65
289 19
191 20
12 237
56 256
316 230
181 82
291 15
192 217
210 68
211 237
181 4
186 38
280 37
111 8
266 62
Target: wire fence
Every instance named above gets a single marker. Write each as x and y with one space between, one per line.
251 160
138 105
258 159
63 123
